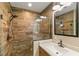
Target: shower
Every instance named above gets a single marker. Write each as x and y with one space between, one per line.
36 27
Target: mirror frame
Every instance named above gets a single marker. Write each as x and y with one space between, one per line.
75 24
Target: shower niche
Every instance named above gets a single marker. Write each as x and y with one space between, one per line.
66 20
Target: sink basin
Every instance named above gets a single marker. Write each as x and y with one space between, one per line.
53 48
57 50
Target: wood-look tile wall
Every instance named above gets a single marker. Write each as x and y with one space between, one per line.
4 25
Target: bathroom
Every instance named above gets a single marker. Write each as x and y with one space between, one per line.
39 29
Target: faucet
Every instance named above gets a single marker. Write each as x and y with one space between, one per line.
60 43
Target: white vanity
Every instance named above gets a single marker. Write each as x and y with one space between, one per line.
48 46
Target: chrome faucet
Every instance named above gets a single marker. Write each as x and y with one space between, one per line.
60 43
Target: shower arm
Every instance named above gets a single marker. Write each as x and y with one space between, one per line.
12 16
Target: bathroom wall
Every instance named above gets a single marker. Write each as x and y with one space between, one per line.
22 28
45 27
4 25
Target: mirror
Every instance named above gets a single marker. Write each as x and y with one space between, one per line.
65 21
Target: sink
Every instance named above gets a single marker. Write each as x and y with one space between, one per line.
53 48
57 50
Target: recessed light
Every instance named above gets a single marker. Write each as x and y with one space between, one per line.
29 4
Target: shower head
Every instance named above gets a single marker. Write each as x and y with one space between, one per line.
13 16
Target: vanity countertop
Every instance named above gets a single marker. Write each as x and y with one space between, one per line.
54 50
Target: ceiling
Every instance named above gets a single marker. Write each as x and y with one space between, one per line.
36 6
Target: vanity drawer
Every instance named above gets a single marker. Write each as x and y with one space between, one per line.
42 52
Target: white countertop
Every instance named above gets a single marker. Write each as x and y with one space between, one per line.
47 45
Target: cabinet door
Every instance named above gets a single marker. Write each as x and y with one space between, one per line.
42 52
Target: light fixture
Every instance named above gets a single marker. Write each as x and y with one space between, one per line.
66 3
56 7
29 4
38 20
63 3
61 25
43 17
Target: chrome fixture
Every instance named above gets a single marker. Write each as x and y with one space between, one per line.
60 43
